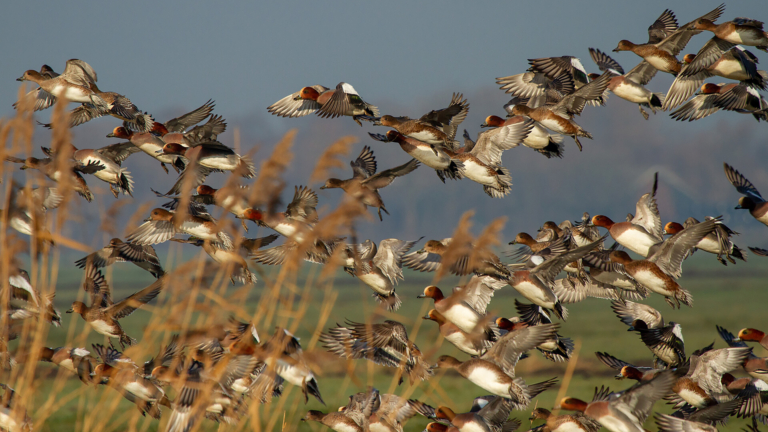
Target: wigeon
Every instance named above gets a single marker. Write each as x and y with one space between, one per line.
116 105
577 288
701 420
207 132
627 411
752 200
664 264
536 284
753 335
576 422
283 355
718 242
386 344
128 380
437 127
150 144
337 421
756 367
205 158
233 199
13 416
540 139
297 219
629 86
472 344
103 314
319 251
702 385
389 412
234 257
493 417
162 225
559 117
735 64
25 300
666 343
466 307
74 84
643 231
26 212
69 173
536 87
662 54
740 31
430 259
143 256
482 159
494 371
553 67
740 98
40 98
627 370
380 268
76 360
437 158
751 394
110 158
327 103
556 349
536 251
365 182
206 389
637 316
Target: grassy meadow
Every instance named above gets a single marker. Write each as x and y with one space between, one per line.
733 297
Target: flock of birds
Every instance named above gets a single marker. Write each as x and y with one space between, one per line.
216 372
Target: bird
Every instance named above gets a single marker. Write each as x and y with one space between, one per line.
379 267
103 314
752 200
386 344
365 182
327 103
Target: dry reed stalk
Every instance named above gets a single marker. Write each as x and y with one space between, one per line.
332 158
568 375
269 184
460 246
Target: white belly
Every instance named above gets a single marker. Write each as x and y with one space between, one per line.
377 282
426 156
199 231
488 381
535 294
731 70
425 136
654 283
227 163
709 245
104 328
478 173
68 365
657 62
462 317
291 373
632 92
21 225
693 398
553 125
636 241
460 341
569 426
538 138
140 391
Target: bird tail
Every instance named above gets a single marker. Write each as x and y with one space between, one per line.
125 181
684 297
127 340
739 253
657 100
560 311
391 301
554 148
246 168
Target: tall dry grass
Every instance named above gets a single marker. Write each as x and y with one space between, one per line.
197 294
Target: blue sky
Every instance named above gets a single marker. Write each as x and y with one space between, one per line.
405 57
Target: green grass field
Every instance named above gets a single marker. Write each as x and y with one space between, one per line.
734 297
